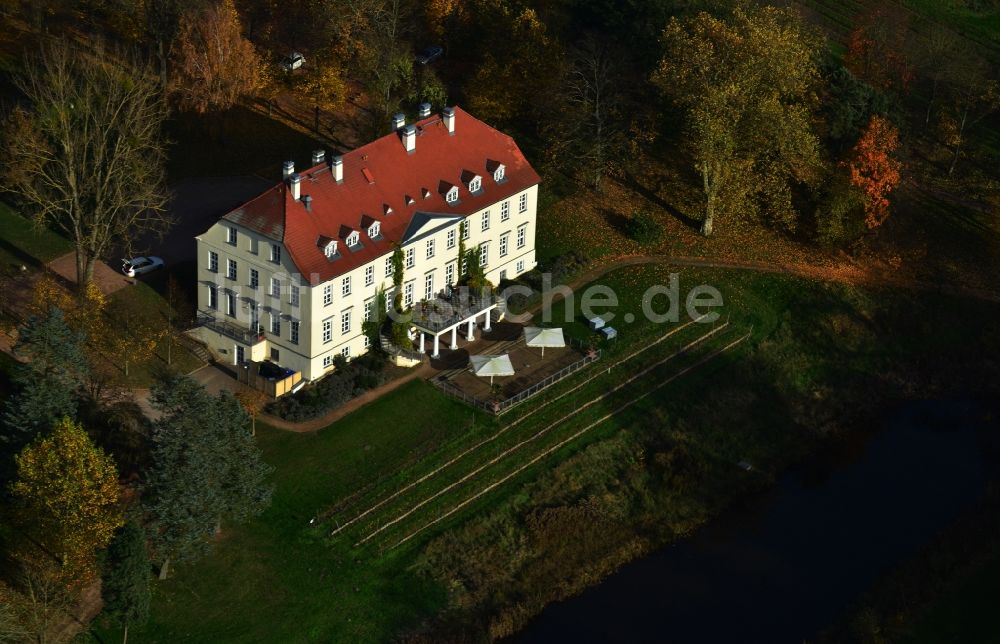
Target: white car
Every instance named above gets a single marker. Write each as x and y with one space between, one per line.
141 265
293 61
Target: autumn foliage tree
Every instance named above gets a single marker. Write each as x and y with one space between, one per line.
746 89
875 170
214 65
66 501
877 49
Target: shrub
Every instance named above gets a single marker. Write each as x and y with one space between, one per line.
346 381
644 228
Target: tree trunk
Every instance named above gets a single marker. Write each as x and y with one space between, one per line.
164 568
88 273
958 144
81 269
125 635
162 54
711 188
218 526
930 102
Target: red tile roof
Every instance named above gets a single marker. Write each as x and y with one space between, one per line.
382 174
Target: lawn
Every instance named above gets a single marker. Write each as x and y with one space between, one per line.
817 350
22 242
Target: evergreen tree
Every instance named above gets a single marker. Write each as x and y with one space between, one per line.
206 468
125 582
47 383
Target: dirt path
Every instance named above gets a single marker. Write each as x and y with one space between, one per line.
106 278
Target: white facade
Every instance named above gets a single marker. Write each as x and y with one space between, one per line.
304 327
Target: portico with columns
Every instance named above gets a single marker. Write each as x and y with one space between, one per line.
447 317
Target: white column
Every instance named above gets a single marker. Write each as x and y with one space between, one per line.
468 334
421 341
486 326
454 338
437 352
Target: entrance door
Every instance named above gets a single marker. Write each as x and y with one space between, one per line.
240 355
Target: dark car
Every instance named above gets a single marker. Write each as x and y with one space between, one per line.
429 54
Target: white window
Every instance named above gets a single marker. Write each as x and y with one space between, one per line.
465 229
213 297
522 202
522 233
375 229
231 304
254 278
484 254
451 239
353 239
369 275
213 261
369 307
345 286
430 248
408 295
388 266
328 295
520 266
388 301
452 195
294 331
429 286
366 341
253 245
346 352
475 184
275 287
498 174
293 295
410 259
503 245
231 236
327 330
486 220
345 322
465 265
505 211
449 274
330 249
231 269
327 362
276 323
276 253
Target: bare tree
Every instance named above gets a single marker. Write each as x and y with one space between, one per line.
584 124
86 153
975 94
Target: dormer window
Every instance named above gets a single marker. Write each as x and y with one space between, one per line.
374 230
330 249
498 174
353 239
452 195
475 184
496 169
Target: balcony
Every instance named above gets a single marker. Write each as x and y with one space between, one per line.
234 330
448 310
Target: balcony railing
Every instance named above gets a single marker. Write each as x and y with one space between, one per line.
447 310
232 330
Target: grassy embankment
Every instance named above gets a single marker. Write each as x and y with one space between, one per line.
652 473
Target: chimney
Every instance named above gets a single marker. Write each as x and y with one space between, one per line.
294 183
318 156
307 202
398 121
337 166
425 110
410 139
288 169
449 119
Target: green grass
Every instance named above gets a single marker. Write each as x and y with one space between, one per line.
22 242
815 348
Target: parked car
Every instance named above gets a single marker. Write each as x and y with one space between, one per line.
429 54
293 61
141 265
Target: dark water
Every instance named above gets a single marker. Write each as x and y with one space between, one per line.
788 563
